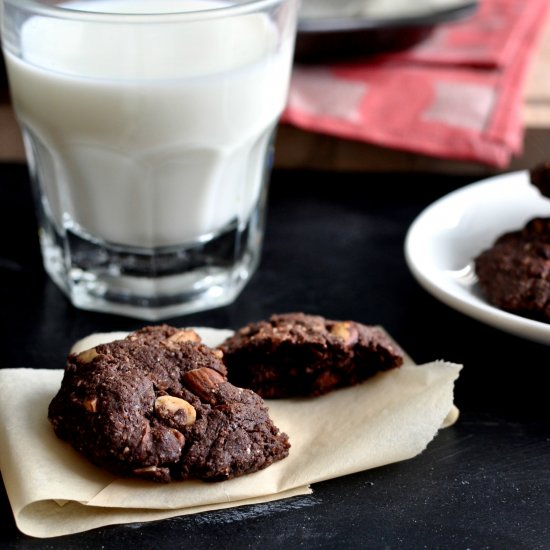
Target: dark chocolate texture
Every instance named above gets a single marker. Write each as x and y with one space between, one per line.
514 273
295 354
157 405
539 176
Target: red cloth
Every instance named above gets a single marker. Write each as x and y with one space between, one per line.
457 95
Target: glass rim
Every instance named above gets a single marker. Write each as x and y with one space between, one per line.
40 7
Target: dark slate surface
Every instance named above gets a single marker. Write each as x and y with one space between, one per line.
334 246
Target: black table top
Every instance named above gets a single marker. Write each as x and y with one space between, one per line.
334 246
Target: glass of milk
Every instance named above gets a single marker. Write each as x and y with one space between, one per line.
148 127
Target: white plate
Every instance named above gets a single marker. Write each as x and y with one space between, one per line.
378 10
334 29
445 238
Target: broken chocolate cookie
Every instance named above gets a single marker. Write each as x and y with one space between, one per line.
514 273
539 176
158 405
295 354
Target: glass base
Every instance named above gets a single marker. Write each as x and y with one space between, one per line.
153 284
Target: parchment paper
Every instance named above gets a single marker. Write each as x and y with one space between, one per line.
55 491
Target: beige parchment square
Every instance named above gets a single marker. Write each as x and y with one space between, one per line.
54 491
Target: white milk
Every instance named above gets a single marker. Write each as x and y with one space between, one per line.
160 143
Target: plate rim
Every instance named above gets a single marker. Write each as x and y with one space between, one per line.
476 308
353 24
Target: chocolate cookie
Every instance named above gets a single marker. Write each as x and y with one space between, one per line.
514 273
295 354
158 405
539 176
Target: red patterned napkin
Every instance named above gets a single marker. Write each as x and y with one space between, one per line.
457 95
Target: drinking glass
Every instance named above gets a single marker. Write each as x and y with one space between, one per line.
148 128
